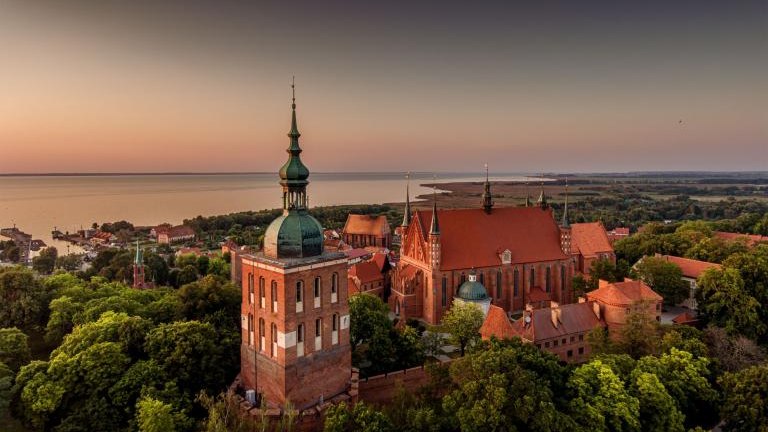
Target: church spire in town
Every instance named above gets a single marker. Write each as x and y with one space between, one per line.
527 195
487 197
565 222
542 201
407 211
294 174
435 226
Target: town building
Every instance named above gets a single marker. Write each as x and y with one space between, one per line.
139 274
691 270
619 299
617 234
174 234
590 243
367 230
295 313
365 277
562 329
750 239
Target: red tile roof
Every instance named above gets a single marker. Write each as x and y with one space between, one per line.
381 260
497 324
685 318
691 268
180 231
574 318
751 239
590 239
366 272
623 293
472 238
538 295
356 253
366 225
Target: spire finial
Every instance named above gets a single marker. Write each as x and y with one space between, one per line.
487 197
435 228
407 211
565 223
293 92
542 201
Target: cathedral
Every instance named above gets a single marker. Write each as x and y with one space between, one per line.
521 256
295 314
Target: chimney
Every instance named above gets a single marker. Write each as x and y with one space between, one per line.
582 299
555 313
596 309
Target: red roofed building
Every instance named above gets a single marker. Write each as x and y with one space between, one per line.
514 251
497 324
750 239
589 243
691 269
618 299
366 230
617 234
175 234
365 277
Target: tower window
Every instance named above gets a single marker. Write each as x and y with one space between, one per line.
273 350
334 288
317 291
250 288
262 294
274 296
262 342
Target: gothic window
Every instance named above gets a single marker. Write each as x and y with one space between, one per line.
562 279
532 280
516 283
549 279
498 283
444 296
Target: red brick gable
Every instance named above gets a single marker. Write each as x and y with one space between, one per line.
691 268
590 239
472 238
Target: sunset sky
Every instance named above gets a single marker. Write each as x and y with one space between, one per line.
571 86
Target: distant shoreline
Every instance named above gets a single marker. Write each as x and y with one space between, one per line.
546 174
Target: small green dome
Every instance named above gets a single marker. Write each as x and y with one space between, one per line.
472 290
294 171
294 235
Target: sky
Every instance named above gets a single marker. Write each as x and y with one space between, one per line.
204 86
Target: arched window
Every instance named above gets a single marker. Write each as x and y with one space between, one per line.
273 351
335 329
300 296
317 291
498 283
250 288
334 288
516 283
273 293
262 341
300 341
549 279
318 334
250 329
562 280
532 280
262 294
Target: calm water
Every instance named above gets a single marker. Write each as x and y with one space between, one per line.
37 204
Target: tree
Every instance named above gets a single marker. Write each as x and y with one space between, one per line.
658 412
724 302
24 300
599 400
201 299
14 349
488 386
581 285
367 315
46 261
187 275
732 353
663 277
6 382
686 380
639 335
745 404
463 322
153 415
69 262
602 269
361 417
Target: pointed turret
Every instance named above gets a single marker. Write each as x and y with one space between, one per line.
407 211
487 197
294 174
138 269
527 195
139 259
435 226
542 201
565 222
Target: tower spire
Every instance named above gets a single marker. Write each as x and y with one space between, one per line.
435 226
565 223
542 201
487 197
294 174
407 211
527 195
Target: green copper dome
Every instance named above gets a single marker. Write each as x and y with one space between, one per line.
294 235
472 290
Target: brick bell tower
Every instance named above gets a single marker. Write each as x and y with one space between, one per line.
139 278
295 315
